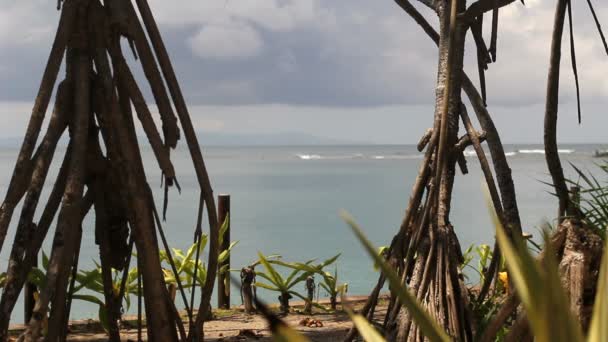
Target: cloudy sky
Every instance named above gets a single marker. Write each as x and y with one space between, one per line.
356 70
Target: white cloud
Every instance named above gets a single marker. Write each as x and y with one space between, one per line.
226 41
275 15
24 23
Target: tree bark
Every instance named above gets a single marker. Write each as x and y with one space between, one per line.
435 279
551 108
22 171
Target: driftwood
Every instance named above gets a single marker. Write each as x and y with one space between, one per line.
93 103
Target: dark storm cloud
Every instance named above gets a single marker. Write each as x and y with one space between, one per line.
340 58
341 63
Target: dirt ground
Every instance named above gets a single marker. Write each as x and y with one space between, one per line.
234 325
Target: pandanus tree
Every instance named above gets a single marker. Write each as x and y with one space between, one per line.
425 252
578 245
102 170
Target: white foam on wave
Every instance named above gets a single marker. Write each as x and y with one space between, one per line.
309 156
398 156
531 151
539 151
302 156
472 153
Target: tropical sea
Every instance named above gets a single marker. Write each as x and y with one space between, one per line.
286 200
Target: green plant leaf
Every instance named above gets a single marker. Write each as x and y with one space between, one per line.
265 276
89 299
317 305
223 229
598 330
302 277
45 261
275 277
90 280
103 317
226 253
267 287
36 277
326 288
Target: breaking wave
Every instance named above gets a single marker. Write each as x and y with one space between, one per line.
358 156
539 151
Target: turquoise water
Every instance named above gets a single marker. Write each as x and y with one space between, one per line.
285 200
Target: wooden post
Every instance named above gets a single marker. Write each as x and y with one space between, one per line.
28 298
223 280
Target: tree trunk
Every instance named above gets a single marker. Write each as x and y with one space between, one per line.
550 136
579 268
435 278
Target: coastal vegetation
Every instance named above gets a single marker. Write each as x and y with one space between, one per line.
557 292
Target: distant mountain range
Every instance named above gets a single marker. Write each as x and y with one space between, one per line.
271 139
235 139
251 139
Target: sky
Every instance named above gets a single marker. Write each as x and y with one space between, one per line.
351 70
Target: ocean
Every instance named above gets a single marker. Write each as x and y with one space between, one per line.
286 200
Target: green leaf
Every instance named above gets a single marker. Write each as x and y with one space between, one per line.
275 277
36 277
224 228
90 280
598 330
426 324
226 253
317 305
302 277
266 286
89 299
327 288
381 251
103 317
45 261
330 260
264 275
223 269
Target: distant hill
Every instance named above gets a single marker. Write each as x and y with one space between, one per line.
273 139
231 139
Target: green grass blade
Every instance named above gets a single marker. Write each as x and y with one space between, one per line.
599 327
277 280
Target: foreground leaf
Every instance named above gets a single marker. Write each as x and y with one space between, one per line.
599 327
